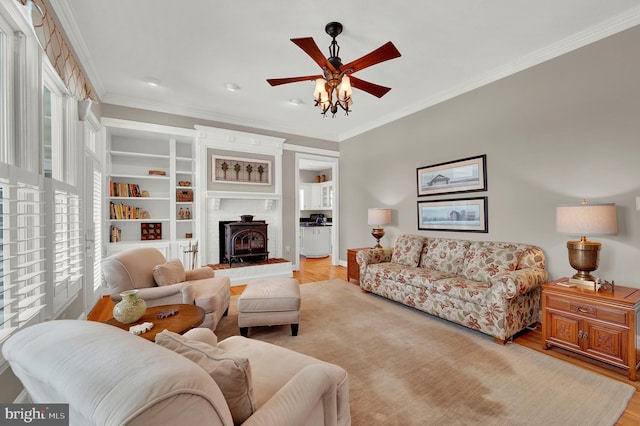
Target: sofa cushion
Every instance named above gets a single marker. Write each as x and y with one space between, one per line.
460 288
407 249
445 255
485 260
421 277
169 273
232 373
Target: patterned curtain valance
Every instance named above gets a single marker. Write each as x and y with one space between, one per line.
55 46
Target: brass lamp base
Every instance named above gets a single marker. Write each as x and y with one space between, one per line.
583 257
377 233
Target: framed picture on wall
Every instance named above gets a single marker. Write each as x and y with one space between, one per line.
466 175
240 170
462 214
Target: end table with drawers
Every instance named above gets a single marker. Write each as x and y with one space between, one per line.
353 269
601 325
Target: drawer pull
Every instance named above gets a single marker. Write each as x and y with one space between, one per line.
580 334
584 309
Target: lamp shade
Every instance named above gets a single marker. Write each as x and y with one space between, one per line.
586 219
377 216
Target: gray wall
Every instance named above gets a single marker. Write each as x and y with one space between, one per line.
288 158
561 131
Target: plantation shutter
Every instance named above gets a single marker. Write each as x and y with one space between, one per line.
23 251
66 245
97 221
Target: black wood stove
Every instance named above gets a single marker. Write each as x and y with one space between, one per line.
244 241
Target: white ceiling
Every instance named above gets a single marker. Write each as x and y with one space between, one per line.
194 47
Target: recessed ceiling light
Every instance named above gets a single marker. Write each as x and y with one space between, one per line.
296 101
232 87
153 82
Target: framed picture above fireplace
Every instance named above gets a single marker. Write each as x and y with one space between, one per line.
240 170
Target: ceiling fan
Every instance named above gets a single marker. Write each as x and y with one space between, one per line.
337 77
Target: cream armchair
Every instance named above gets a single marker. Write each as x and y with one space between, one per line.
111 377
163 283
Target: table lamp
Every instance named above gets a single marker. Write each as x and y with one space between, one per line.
378 217
585 219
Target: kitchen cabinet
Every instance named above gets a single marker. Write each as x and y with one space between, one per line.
316 196
315 241
326 195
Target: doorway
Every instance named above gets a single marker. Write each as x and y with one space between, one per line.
318 174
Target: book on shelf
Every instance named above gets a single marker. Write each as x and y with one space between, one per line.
115 234
117 189
123 211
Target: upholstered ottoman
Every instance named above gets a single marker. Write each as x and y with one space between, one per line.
271 301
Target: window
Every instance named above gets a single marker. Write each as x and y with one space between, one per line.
5 71
52 164
47 144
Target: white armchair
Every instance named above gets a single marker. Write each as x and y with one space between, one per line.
163 283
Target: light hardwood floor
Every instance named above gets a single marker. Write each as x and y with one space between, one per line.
312 270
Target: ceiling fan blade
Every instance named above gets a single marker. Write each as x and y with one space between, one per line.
374 89
311 48
279 81
383 53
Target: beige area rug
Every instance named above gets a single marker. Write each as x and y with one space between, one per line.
408 368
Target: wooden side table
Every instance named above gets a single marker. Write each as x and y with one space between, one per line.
188 317
353 269
601 325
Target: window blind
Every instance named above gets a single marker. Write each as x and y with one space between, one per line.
66 245
23 252
97 223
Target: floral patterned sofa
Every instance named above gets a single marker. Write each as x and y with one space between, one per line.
489 286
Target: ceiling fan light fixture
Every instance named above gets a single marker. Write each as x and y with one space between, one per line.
321 88
345 87
335 81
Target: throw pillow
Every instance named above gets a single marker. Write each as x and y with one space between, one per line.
486 260
407 250
445 255
232 373
169 273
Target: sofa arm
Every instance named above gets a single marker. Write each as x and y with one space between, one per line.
520 281
368 257
371 256
182 291
293 404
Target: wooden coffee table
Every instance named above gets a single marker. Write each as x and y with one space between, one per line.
187 317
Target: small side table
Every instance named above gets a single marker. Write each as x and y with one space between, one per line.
353 269
600 325
187 317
